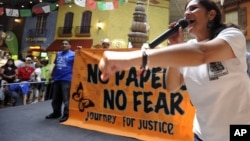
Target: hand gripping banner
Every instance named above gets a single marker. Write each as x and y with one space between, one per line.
127 105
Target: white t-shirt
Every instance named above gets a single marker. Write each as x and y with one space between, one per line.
220 91
37 73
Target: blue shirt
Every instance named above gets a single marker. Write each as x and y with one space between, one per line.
63 66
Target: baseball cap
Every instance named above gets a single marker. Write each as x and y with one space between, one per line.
106 40
28 59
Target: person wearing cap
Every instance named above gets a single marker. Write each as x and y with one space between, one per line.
24 75
62 77
105 43
28 59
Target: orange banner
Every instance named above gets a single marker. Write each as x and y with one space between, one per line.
127 105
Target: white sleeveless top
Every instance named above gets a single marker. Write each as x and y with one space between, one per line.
220 91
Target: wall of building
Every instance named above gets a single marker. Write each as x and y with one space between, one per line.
117 22
244 4
30 23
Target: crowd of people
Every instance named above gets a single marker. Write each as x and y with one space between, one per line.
27 82
24 82
212 66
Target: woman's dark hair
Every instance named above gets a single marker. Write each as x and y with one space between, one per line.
217 26
45 62
10 59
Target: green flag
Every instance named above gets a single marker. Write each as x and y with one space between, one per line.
101 5
121 2
53 6
25 12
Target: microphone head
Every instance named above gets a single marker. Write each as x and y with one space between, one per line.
183 23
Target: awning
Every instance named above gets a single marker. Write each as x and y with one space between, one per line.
56 45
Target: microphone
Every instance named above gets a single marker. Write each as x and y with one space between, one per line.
183 23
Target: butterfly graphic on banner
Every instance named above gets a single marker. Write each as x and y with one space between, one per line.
79 97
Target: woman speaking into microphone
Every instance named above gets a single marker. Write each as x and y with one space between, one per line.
212 66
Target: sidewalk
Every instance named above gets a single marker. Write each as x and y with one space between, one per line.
28 123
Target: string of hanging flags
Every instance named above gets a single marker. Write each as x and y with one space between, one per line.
100 5
43 8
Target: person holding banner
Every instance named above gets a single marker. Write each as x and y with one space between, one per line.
62 76
105 43
212 66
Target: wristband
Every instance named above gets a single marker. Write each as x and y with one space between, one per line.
144 65
144 59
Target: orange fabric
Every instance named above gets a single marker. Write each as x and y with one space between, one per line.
121 104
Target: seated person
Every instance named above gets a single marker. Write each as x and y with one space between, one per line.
24 75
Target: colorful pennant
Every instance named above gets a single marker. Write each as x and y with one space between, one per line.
90 4
25 12
11 12
81 3
1 11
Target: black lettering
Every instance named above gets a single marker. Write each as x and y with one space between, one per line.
162 103
155 78
132 77
176 99
109 99
128 121
136 100
147 102
163 78
121 98
119 76
154 125
144 78
94 74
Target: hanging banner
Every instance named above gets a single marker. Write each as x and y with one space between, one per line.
1 11
11 12
81 3
25 12
12 42
127 105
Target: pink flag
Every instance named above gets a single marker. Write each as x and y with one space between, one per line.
91 4
1 11
116 3
37 10
60 2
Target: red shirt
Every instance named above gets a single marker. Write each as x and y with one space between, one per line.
24 73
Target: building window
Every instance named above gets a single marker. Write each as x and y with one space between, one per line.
237 17
85 23
232 17
41 25
68 22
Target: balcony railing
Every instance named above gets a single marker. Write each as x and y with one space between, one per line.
82 31
65 31
37 33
